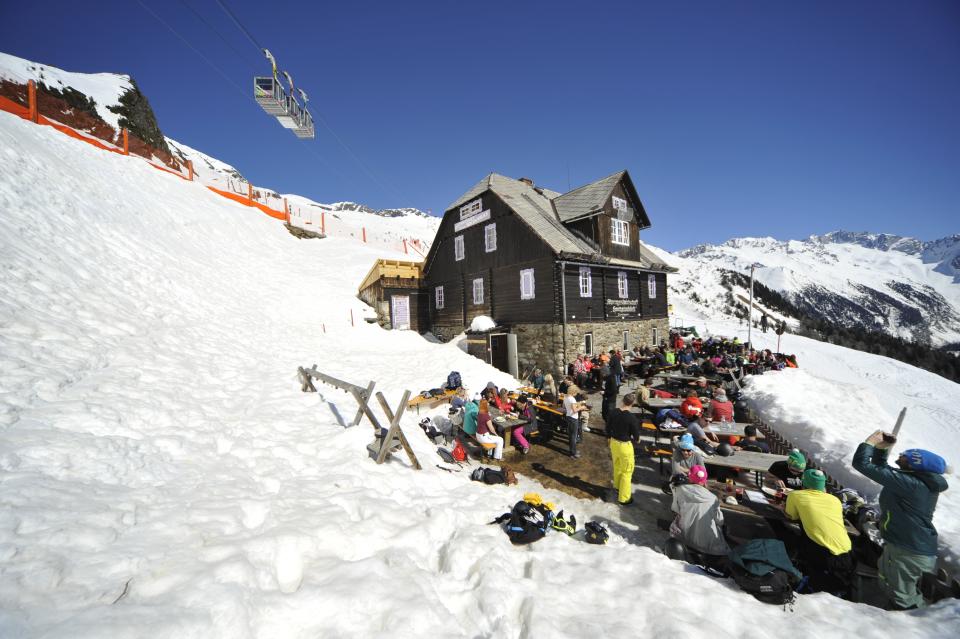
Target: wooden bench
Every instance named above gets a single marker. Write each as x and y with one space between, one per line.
431 402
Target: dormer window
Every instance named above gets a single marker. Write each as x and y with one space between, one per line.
619 232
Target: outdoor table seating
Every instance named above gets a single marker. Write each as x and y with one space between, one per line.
507 423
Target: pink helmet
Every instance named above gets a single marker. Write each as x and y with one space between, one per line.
698 475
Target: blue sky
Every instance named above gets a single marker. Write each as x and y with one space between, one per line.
733 118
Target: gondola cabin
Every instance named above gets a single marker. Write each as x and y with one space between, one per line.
392 288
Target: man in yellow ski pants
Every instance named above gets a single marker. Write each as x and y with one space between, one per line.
623 428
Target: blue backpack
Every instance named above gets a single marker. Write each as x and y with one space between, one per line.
453 381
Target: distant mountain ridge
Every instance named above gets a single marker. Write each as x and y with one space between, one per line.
898 285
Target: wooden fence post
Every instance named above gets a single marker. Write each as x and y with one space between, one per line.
286 210
249 191
323 222
404 246
32 101
351 317
126 142
364 235
190 169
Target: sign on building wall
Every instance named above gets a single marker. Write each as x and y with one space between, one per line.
473 220
621 307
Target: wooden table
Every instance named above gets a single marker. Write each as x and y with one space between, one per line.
767 506
746 460
656 403
507 425
730 428
431 402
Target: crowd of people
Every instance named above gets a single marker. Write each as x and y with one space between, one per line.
822 549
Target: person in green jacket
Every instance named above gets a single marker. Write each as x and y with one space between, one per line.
907 502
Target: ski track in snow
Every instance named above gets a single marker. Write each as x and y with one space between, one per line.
163 475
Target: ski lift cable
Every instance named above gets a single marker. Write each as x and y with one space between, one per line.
211 27
239 24
242 92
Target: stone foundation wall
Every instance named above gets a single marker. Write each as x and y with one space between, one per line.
542 344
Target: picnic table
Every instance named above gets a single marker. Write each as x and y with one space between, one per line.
730 428
432 401
508 424
746 460
762 502
656 403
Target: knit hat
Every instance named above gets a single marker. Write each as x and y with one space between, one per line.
686 441
796 461
457 402
698 475
924 461
814 479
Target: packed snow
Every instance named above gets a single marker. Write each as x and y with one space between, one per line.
164 476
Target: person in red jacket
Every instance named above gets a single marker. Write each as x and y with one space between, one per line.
721 409
691 406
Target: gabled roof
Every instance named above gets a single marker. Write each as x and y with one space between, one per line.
586 199
538 208
533 207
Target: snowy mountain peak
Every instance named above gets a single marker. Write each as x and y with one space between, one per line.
362 208
878 241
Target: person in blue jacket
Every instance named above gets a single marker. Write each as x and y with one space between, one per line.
907 502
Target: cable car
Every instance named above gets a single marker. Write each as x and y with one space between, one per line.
270 94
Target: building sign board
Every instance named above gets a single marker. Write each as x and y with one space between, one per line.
472 220
621 307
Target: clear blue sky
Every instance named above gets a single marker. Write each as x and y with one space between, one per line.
734 118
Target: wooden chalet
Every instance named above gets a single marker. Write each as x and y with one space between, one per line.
392 288
559 273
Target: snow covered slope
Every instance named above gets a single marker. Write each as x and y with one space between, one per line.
881 282
161 469
104 88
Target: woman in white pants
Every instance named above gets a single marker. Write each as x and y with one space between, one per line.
485 431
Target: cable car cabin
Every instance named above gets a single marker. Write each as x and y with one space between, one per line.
272 98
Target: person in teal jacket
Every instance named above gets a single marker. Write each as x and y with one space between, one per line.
470 410
907 502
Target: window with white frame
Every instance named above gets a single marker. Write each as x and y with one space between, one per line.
619 233
490 237
626 340
458 248
438 297
526 284
478 291
588 343
586 282
622 286
652 285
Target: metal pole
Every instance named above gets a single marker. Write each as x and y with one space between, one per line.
750 317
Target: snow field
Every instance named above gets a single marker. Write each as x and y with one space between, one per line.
163 476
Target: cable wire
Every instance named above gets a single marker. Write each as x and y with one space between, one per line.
212 28
236 21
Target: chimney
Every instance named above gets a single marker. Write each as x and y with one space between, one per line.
527 181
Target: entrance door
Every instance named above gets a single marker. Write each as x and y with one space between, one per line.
401 312
498 352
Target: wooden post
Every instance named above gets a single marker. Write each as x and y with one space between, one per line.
404 247
286 209
32 101
351 317
126 142
364 235
249 191
190 169
323 222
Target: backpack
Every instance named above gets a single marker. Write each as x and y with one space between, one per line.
596 533
446 455
489 475
436 392
459 452
528 523
453 380
775 587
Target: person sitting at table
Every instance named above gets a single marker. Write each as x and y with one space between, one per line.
527 408
700 521
486 434
503 402
750 442
536 379
685 455
691 405
788 474
645 391
549 393
721 409
703 437
824 551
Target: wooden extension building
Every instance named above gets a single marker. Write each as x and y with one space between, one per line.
559 273
392 288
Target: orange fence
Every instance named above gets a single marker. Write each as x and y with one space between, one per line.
411 246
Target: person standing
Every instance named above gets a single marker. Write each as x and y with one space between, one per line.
623 427
611 389
824 547
571 415
907 502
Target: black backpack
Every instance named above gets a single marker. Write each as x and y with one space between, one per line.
775 587
526 523
596 533
453 381
489 475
